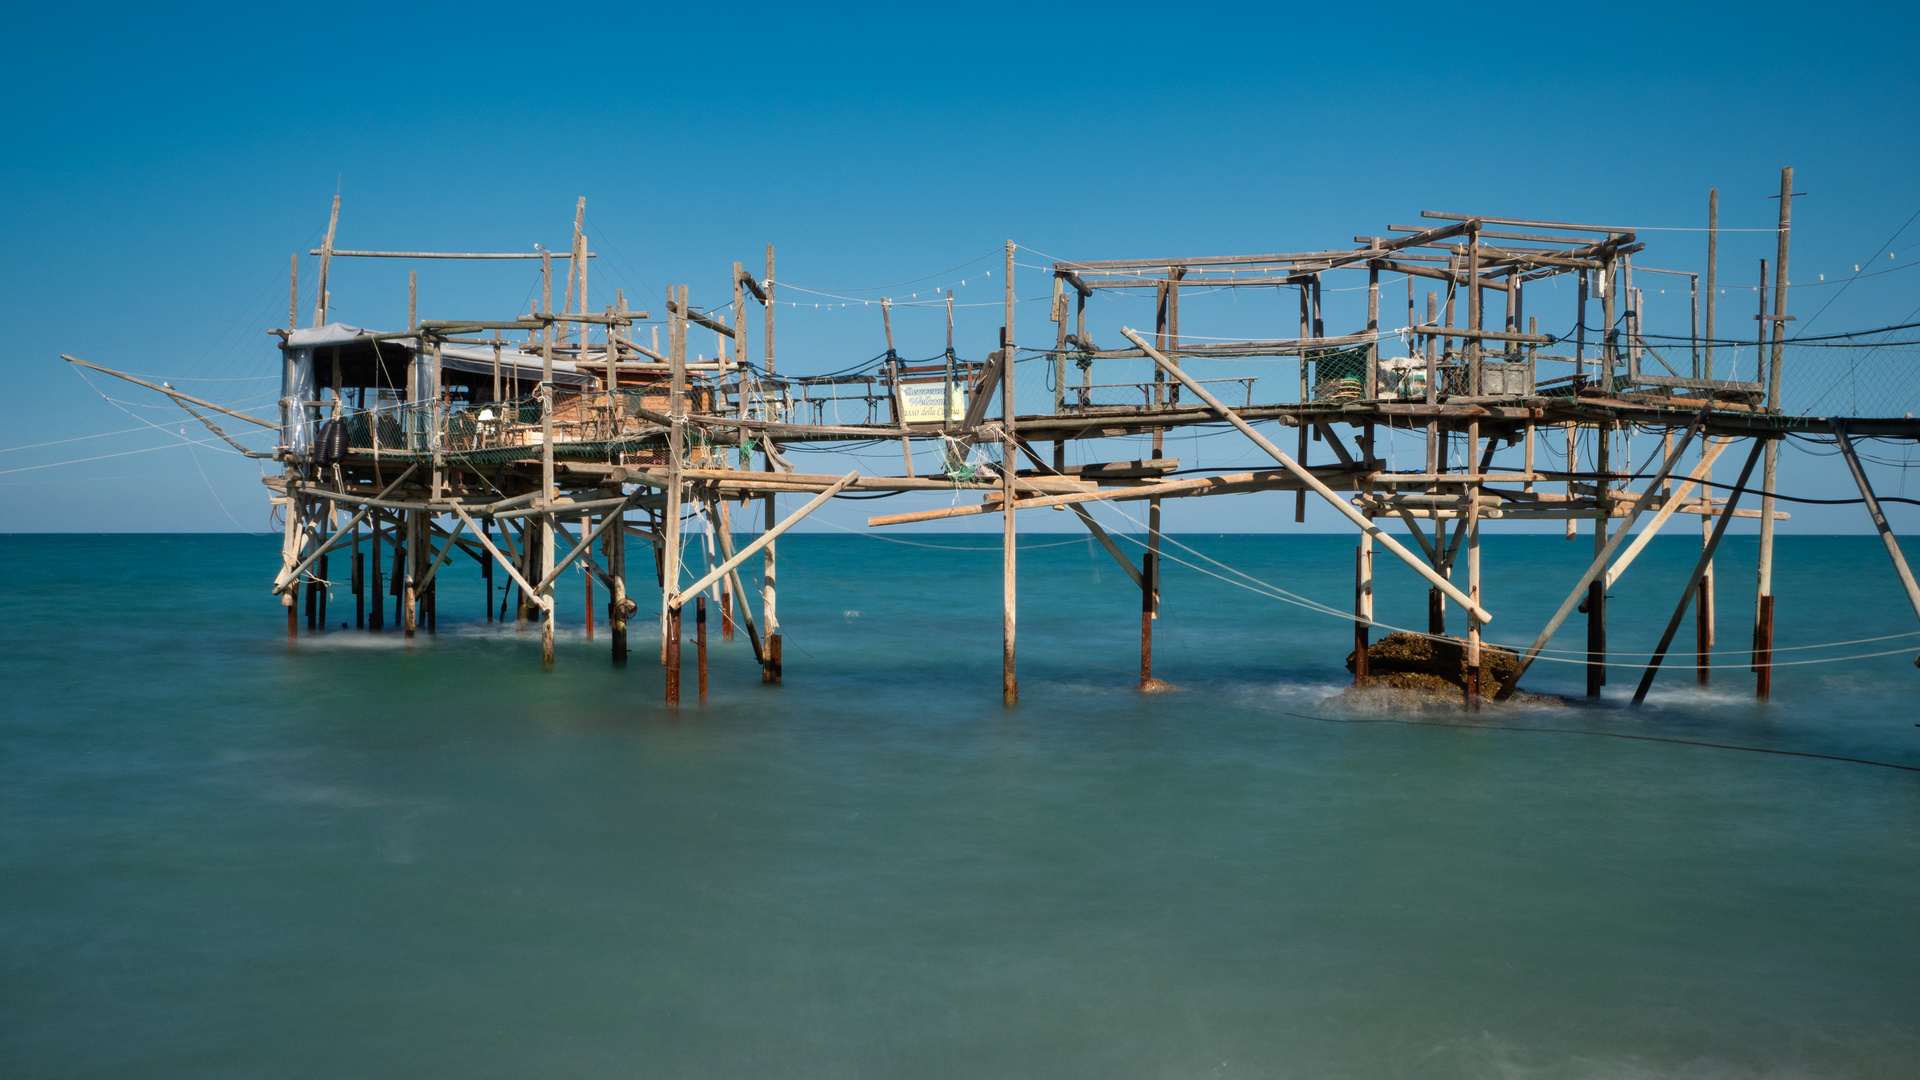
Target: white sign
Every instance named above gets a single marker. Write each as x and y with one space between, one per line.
920 402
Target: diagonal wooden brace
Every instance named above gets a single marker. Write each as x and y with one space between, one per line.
764 539
1600 561
1333 499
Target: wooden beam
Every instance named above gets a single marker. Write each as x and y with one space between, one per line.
337 253
172 393
753 286
693 316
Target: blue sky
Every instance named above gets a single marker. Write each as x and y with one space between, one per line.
162 165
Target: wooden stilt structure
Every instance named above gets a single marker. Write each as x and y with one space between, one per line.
504 448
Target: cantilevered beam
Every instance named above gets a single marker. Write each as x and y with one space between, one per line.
174 394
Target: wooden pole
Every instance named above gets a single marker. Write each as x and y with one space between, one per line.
377 613
1597 588
548 492
1473 558
770 671
411 614
617 604
586 524
1763 636
676 413
1362 603
486 568
1306 395
1149 567
770 653
1372 391
672 630
326 264
1150 560
1009 681
724 524
1703 608
1476 313
700 642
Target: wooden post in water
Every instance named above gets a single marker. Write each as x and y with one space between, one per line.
586 526
486 565
1597 590
548 492
1009 681
290 558
676 414
617 603
700 642
724 521
1472 525
1166 339
377 610
770 669
1149 567
1763 621
1362 603
672 630
770 655
410 613
1703 604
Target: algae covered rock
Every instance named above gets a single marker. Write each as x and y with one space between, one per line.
1417 662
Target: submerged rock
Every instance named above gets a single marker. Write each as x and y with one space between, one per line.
1408 670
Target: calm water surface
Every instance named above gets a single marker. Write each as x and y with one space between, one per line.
220 857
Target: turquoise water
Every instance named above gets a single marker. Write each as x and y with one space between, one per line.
220 857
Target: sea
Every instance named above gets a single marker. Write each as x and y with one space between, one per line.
227 854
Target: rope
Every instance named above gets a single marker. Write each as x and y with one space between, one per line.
1574 656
